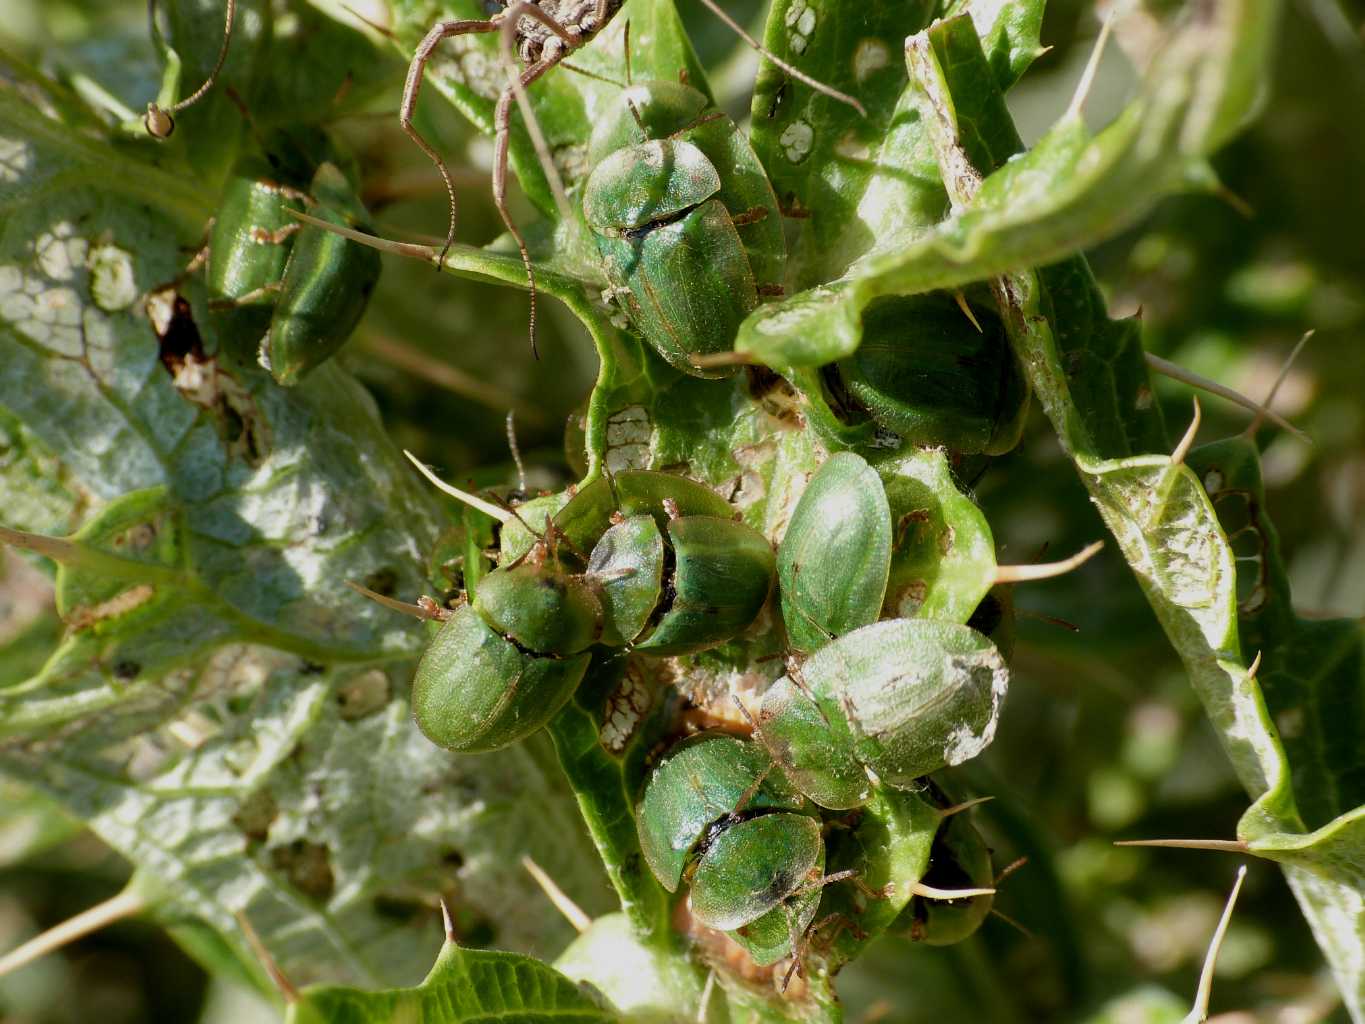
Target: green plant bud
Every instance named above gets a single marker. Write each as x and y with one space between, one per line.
723 572
475 690
835 557
627 567
701 781
541 608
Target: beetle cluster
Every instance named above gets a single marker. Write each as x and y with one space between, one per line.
314 283
643 559
656 565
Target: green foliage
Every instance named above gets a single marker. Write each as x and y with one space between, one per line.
189 678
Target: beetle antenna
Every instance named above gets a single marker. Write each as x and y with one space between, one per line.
126 904
425 608
383 30
639 121
286 987
798 953
698 121
794 72
1013 923
1199 1012
796 573
160 121
626 38
502 515
572 912
1029 573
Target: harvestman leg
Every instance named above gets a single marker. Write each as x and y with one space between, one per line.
502 124
441 31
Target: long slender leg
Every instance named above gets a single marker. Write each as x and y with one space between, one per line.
440 31
161 122
502 122
571 42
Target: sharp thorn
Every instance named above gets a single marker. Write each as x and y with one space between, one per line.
1263 411
1219 845
572 912
1199 1012
448 923
931 892
1187 442
472 500
428 610
126 904
1047 570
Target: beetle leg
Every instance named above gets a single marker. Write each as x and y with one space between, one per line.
421 56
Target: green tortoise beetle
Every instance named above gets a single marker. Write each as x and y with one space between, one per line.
314 284
717 816
502 665
672 570
685 220
325 287
835 557
886 704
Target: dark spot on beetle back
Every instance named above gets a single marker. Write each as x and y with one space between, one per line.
126 670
